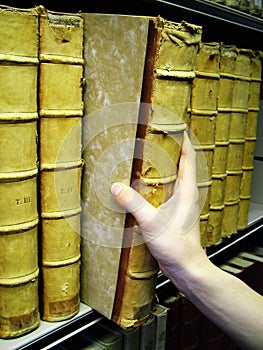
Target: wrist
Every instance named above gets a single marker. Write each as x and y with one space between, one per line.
193 274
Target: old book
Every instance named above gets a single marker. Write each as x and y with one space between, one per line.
242 68
147 334
244 5
247 269
255 7
60 132
160 315
190 325
202 124
232 3
257 259
131 135
212 337
130 335
169 297
250 139
224 108
19 312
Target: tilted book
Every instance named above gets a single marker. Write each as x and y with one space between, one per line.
202 124
19 312
60 130
133 129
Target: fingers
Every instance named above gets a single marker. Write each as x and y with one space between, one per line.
133 202
187 166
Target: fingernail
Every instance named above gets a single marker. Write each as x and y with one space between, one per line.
116 189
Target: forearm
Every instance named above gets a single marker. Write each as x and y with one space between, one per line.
225 300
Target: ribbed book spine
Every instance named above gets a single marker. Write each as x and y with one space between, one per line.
60 133
170 67
202 125
237 127
19 312
224 109
250 139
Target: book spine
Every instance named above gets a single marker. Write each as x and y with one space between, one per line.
244 5
147 334
237 126
160 315
250 140
202 124
222 123
18 173
190 325
130 335
232 3
165 99
169 297
60 133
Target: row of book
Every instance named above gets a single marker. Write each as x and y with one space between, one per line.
176 323
254 7
89 99
41 70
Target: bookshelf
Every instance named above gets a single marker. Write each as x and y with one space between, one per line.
220 23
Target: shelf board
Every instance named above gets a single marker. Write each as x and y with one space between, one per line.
215 11
47 330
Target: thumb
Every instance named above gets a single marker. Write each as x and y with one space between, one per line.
133 202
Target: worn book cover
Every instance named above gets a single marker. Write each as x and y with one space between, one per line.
250 138
60 130
19 313
204 98
237 127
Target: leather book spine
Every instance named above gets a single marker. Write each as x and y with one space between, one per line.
19 271
60 148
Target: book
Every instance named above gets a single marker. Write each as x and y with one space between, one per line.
244 5
60 133
250 139
169 297
257 260
124 135
202 124
242 69
190 325
130 335
160 315
147 334
232 3
224 108
255 7
246 267
19 271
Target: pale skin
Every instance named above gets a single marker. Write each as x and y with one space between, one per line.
172 234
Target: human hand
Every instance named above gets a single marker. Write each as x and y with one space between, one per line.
171 231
